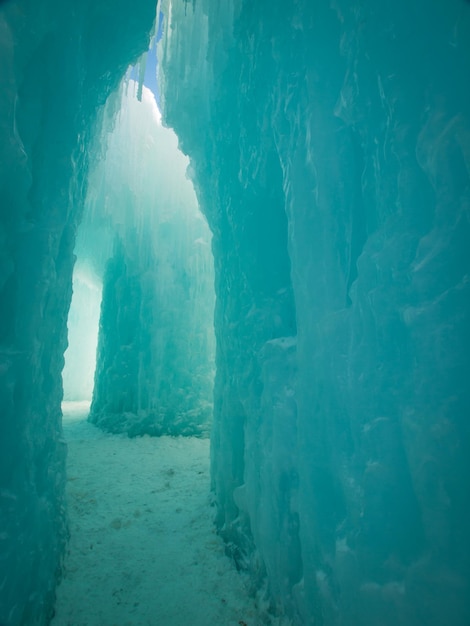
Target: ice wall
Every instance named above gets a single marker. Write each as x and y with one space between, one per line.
155 359
330 145
57 69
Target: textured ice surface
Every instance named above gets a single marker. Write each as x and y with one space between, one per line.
330 145
330 151
57 69
155 360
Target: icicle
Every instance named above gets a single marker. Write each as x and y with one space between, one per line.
158 10
142 65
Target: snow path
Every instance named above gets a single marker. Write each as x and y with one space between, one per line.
143 550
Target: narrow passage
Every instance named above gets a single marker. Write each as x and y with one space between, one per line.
143 550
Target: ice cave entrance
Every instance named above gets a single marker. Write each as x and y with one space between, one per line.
83 322
145 240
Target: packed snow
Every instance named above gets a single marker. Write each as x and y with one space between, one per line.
143 550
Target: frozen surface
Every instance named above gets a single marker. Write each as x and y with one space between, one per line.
330 147
143 549
57 70
155 359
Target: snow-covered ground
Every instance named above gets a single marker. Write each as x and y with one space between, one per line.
143 550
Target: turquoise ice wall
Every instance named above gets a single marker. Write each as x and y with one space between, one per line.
155 358
330 151
59 61
330 144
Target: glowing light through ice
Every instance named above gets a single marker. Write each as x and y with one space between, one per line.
83 322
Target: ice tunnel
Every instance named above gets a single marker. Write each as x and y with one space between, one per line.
146 238
329 149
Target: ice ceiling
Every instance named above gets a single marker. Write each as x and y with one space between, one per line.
329 149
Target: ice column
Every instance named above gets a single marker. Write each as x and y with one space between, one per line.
155 355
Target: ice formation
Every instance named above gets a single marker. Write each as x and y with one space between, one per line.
331 147
155 359
58 67
330 152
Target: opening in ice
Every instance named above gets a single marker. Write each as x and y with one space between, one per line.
83 321
149 245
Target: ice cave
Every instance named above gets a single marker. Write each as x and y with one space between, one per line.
262 210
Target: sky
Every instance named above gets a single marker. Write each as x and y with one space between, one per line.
150 78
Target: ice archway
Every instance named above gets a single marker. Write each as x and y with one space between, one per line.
147 240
